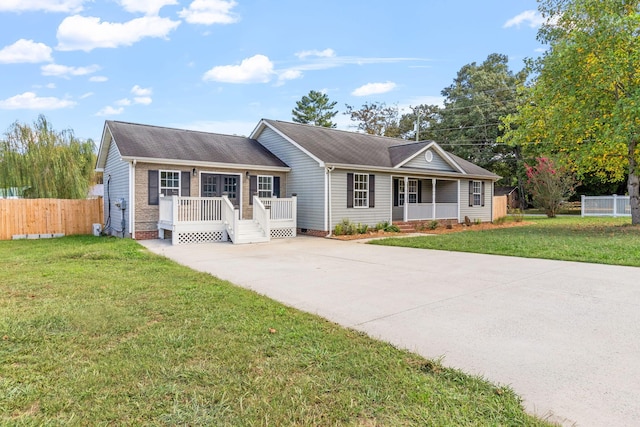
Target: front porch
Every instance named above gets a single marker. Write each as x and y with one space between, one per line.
216 219
417 199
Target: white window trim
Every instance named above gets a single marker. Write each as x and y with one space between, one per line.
409 192
356 191
160 187
478 193
270 191
401 192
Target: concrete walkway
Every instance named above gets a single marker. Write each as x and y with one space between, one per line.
563 335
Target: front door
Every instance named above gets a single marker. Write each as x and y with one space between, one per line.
215 185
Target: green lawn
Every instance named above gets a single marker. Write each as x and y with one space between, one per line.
98 331
599 240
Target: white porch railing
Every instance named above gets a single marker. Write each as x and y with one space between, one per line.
605 206
214 219
230 217
261 215
282 216
420 211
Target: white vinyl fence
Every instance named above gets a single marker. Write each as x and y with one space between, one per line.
606 206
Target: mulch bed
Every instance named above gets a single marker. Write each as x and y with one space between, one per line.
455 228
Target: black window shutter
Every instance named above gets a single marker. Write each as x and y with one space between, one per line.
396 187
372 191
153 186
470 193
349 190
185 184
419 191
276 186
253 187
482 199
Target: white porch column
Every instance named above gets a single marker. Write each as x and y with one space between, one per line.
433 198
406 199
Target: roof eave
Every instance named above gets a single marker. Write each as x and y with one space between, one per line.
200 163
406 171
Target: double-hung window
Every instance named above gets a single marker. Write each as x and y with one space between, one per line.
360 190
170 183
401 192
477 193
265 186
413 191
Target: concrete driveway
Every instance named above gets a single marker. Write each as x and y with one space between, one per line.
563 335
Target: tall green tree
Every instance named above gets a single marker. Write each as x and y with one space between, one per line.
470 121
584 105
376 118
45 162
315 109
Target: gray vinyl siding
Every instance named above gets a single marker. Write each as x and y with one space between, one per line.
116 186
306 179
476 212
371 216
446 191
438 163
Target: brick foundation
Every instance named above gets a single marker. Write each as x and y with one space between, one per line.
147 235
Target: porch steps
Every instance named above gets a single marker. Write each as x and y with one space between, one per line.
411 226
249 231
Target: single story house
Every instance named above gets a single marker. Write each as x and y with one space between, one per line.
154 175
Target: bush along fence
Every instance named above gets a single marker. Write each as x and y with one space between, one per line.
606 206
41 218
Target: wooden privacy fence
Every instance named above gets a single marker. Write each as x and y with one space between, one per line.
48 216
499 206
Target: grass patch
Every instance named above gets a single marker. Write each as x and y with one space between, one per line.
98 331
598 240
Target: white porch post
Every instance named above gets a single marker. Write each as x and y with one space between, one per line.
406 200
433 198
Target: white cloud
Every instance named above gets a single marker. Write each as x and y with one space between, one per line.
290 74
65 71
529 17
327 53
31 101
374 89
98 79
208 12
88 33
25 51
139 91
86 95
148 7
110 111
123 102
67 6
257 69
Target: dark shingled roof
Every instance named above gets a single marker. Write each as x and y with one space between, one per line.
351 148
154 142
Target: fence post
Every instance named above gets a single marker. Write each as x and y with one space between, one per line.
582 198
615 205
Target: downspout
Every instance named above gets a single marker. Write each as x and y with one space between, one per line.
132 198
328 172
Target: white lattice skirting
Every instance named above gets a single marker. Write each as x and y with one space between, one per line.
201 237
281 233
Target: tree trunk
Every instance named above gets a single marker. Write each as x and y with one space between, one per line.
633 184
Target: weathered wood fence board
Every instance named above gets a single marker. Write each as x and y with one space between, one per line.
499 206
48 216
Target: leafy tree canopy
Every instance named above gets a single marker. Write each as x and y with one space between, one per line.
584 105
315 109
376 118
47 163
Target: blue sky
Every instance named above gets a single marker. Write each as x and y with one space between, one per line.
222 65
